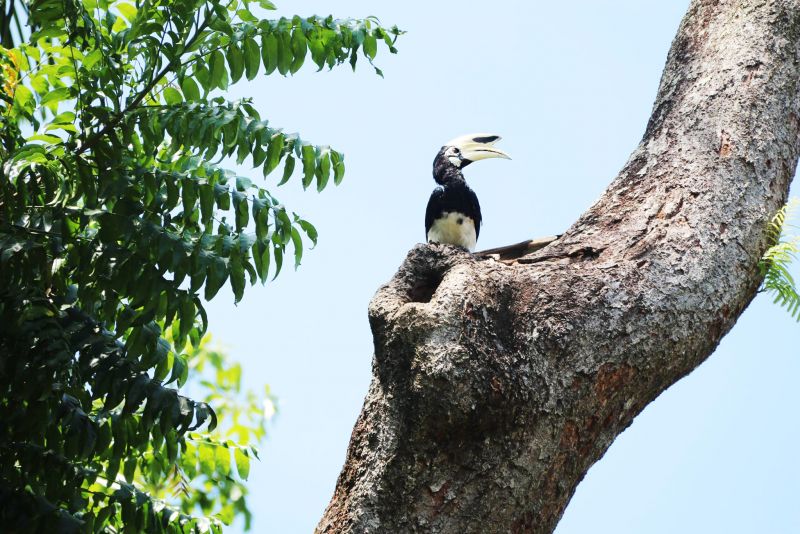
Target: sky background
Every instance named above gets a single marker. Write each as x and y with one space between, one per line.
569 86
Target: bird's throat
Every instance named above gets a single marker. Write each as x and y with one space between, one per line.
445 173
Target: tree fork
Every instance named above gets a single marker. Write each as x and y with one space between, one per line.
496 385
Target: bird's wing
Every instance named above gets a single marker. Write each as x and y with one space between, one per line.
434 209
475 211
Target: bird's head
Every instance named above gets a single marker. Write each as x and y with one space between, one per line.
461 151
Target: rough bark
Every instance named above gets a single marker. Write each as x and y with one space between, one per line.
496 386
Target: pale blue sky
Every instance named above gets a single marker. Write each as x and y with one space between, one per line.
569 85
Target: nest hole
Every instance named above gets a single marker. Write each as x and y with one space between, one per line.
425 286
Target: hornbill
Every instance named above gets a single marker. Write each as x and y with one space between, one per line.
454 215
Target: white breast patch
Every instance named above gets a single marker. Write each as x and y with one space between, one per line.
453 228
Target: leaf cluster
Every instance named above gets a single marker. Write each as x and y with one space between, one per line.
117 220
211 468
776 261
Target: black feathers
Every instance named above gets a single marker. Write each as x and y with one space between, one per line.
453 196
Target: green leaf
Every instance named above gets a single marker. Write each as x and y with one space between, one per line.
92 58
252 58
285 57
297 242
180 370
51 139
235 62
274 152
55 96
222 460
242 463
222 195
309 229
206 203
216 275
163 368
208 464
278 253
309 165
187 315
203 76
370 46
189 195
299 48
324 170
23 99
190 89
269 52
337 161
288 169
127 10
237 278
172 96
243 183
261 258
242 210
219 77
171 442
112 468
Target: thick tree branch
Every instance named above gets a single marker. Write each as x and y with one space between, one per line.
496 386
517 250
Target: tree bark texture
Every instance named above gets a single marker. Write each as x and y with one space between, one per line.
497 384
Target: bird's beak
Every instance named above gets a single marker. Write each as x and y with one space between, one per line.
477 151
475 147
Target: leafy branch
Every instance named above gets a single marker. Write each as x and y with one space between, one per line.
140 96
776 261
116 221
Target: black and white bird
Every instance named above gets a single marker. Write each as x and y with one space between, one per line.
454 215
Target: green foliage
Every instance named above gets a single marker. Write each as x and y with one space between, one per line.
205 471
775 263
115 219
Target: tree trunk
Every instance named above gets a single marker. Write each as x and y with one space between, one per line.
496 385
